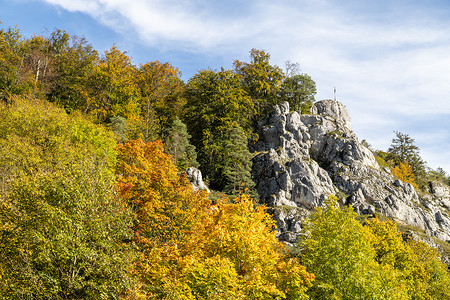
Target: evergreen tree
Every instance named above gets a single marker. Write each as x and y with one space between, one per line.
404 150
177 145
237 164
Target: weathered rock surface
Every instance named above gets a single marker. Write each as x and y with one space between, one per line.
195 178
302 159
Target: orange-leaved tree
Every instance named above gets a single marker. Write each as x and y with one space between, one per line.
165 207
193 250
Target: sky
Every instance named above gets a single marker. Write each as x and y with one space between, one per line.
388 59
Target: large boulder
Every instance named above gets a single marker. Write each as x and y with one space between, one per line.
303 159
195 178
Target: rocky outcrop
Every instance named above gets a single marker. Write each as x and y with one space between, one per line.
303 159
195 178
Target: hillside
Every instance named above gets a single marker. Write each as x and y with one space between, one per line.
96 155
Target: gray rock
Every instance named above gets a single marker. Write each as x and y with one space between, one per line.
195 177
303 159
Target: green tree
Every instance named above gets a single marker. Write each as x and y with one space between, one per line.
178 145
161 89
299 91
336 248
75 60
260 80
216 101
421 271
403 149
13 78
237 164
63 230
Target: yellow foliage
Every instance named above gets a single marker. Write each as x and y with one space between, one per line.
192 250
405 173
244 236
421 271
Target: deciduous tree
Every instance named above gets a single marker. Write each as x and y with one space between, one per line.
261 80
63 230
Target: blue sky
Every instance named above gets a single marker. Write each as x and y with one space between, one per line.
389 60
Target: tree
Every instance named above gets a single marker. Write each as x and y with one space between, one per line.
63 230
38 62
299 91
178 145
161 89
192 250
403 150
336 248
237 164
166 208
421 271
405 173
113 90
75 60
215 102
13 79
255 265
260 80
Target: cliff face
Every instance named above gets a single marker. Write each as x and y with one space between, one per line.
302 159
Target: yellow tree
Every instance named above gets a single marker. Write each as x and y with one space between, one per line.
338 250
421 272
404 172
161 88
113 90
241 237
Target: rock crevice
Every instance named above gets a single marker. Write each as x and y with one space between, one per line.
303 159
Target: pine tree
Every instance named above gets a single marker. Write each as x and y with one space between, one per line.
403 150
177 145
237 162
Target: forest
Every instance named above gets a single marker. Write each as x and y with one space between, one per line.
95 203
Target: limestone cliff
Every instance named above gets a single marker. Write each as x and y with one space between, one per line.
302 159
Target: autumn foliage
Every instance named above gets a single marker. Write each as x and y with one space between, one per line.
194 250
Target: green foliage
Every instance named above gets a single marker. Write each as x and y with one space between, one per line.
75 60
383 159
421 271
113 90
260 80
62 227
299 91
13 79
336 249
352 261
161 100
178 145
215 101
120 128
439 175
237 165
